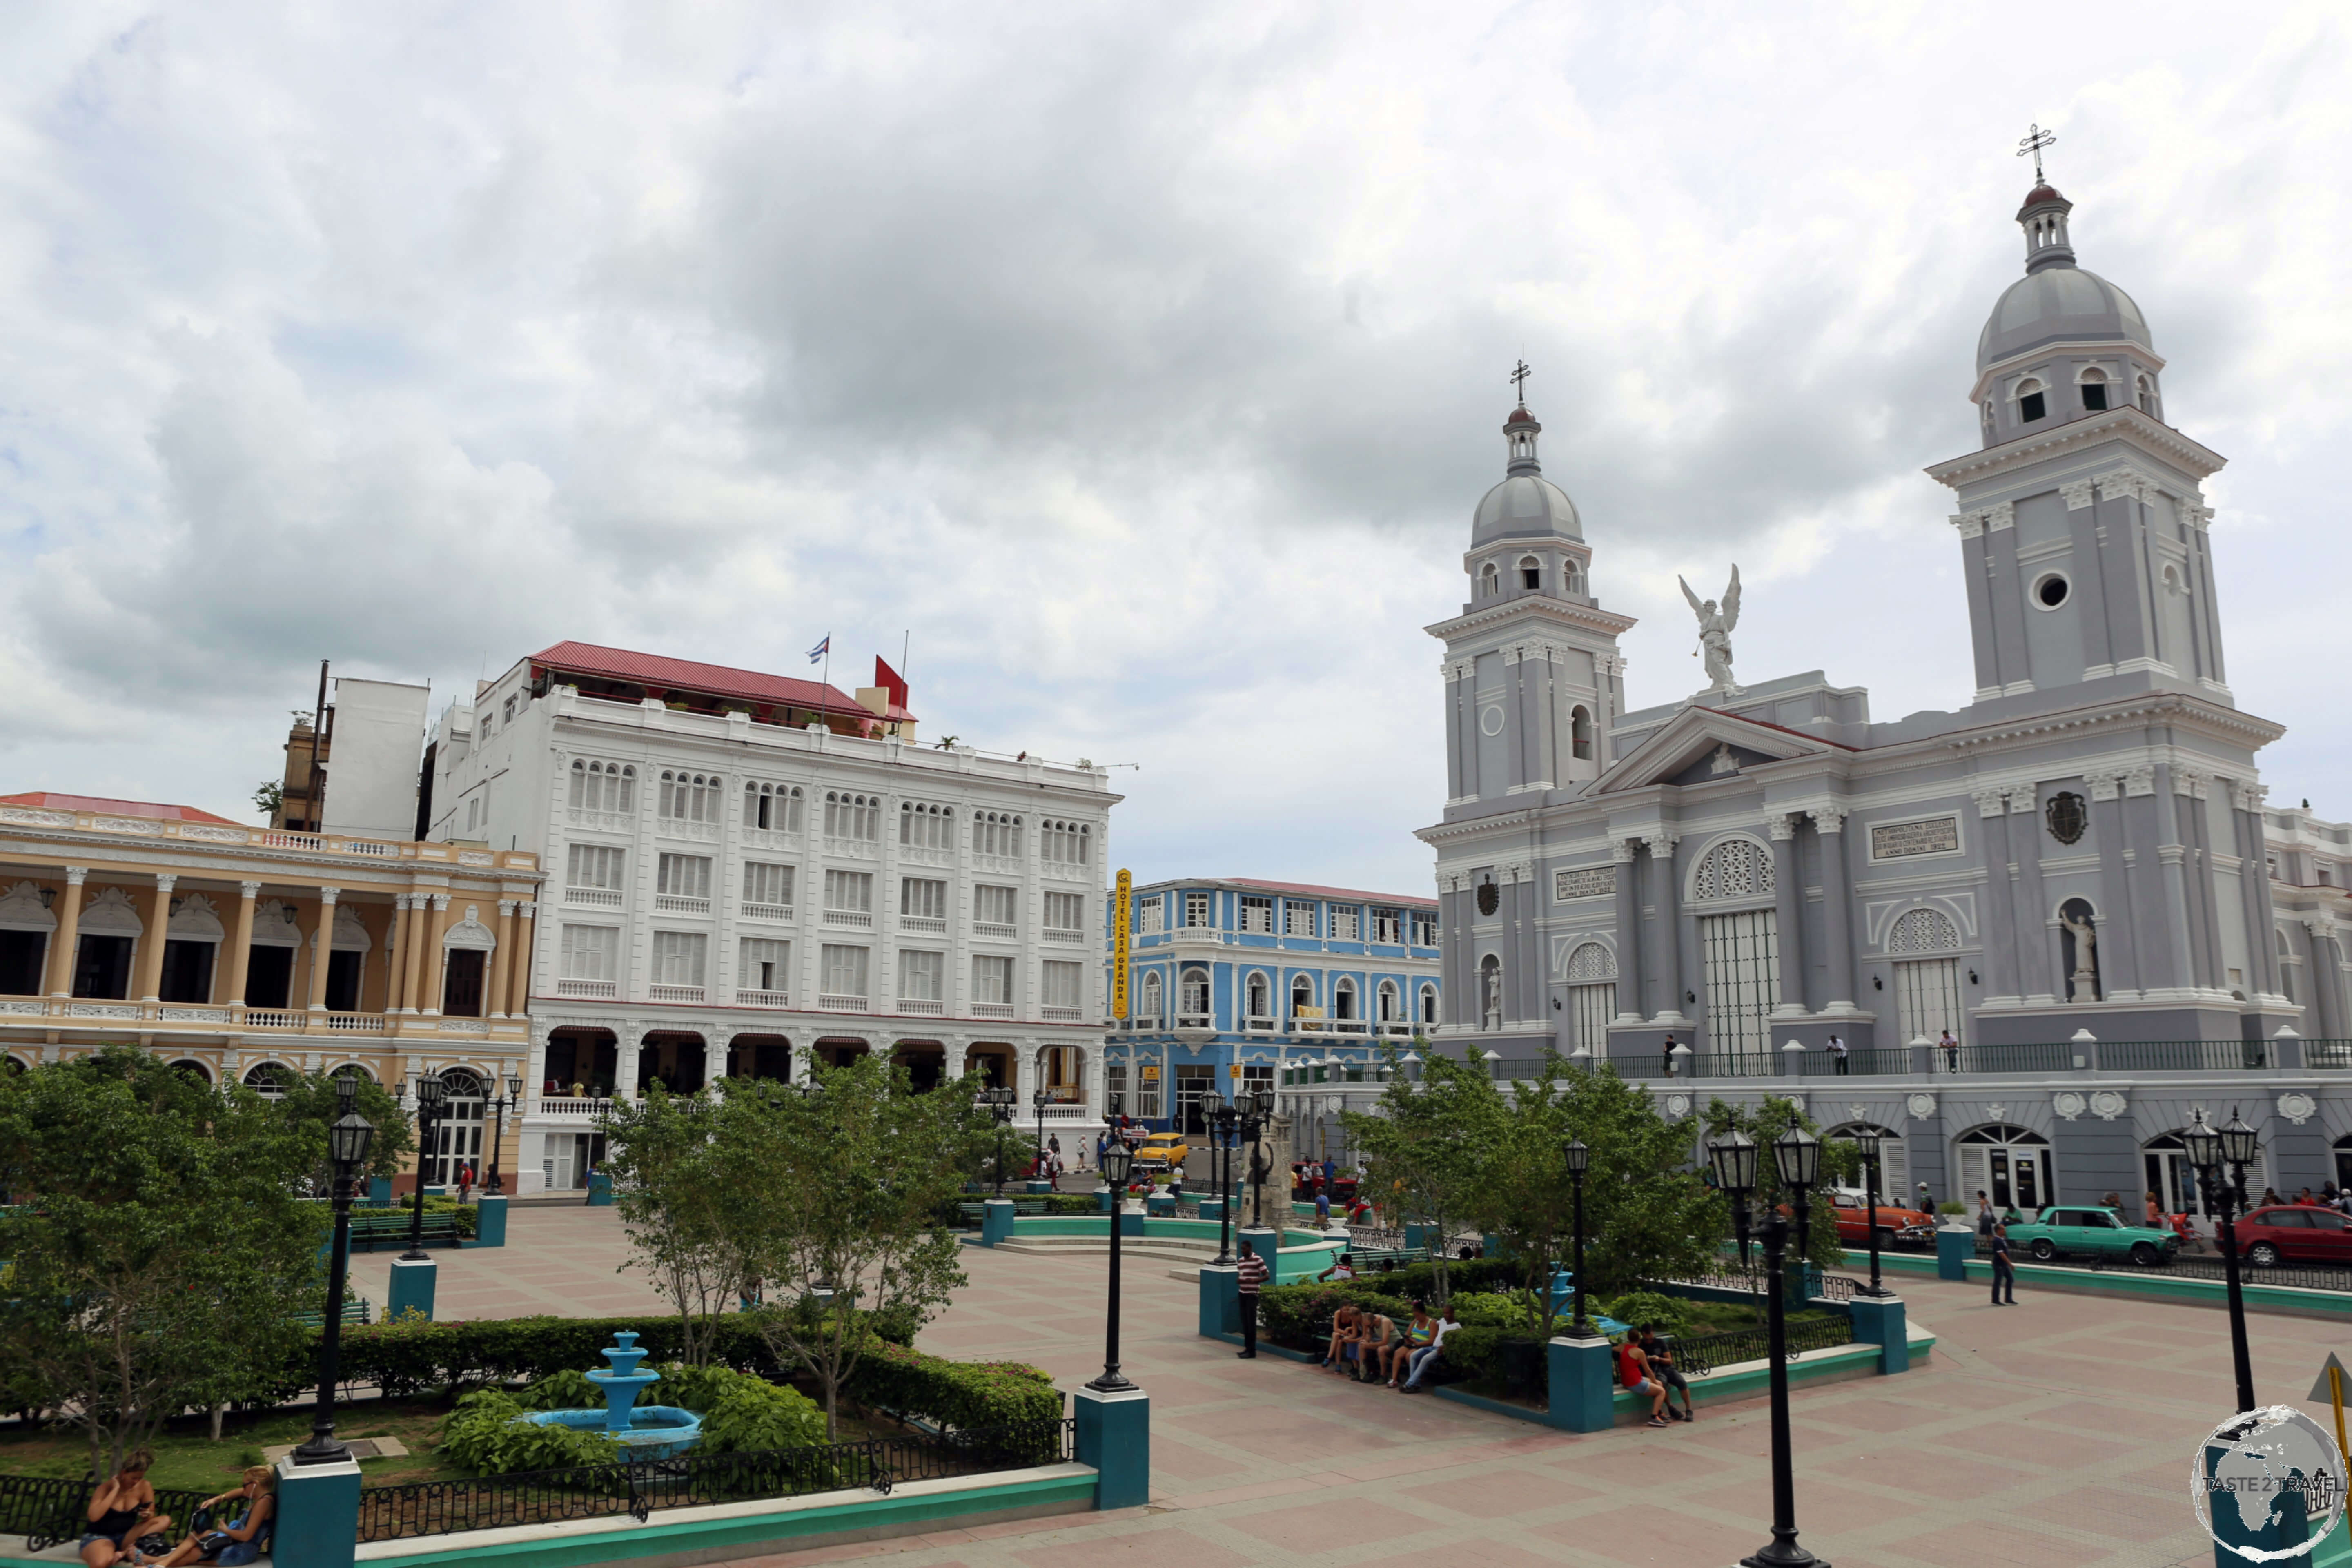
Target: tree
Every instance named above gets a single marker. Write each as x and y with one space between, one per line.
842 1181
1433 1138
160 1250
1841 1162
312 1099
672 1160
1647 1215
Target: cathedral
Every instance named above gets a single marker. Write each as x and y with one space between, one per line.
2029 939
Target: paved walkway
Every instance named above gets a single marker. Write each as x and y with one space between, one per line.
2058 1432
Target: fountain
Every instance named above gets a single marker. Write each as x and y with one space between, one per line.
650 1432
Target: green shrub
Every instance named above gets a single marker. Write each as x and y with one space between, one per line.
566 1390
484 1434
963 1394
1648 1309
751 1414
1490 1310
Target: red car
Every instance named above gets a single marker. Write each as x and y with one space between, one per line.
2294 1235
1897 1225
1306 1174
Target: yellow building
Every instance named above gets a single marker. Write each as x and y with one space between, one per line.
199 939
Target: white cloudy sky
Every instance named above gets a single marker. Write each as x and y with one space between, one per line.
1143 362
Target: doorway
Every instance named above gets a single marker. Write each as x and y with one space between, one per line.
2008 1163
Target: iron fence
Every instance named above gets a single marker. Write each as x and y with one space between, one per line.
2184 1055
1728 1276
2295 1275
638 1488
1699 1354
46 1509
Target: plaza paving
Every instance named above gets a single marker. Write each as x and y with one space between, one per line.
2056 1432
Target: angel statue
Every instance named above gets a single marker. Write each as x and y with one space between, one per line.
1715 631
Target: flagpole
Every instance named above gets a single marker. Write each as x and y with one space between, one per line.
824 703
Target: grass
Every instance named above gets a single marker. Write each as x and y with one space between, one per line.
186 1457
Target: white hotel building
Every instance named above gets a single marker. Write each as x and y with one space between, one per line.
750 872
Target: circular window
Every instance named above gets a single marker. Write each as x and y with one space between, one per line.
2051 591
1490 722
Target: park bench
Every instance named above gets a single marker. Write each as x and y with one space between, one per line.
372 1226
355 1310
972 1212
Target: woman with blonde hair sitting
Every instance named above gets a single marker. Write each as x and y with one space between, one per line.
241 1541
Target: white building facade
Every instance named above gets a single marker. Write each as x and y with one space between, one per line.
747 876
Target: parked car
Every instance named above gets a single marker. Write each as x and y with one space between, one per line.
2271 1236
1897 1225
1162 1152
2063 1231
1306 1173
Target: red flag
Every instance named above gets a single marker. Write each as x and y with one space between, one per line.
890 680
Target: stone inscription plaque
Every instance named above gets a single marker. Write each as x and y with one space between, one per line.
1593 882
1894 840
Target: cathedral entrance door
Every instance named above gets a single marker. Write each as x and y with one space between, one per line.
1928 1000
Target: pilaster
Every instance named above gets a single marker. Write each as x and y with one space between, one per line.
1789 915
1628 899
149 988
1837 908
2037 970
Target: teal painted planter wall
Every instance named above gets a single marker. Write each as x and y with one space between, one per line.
489 1222
1114 1435
2334 1305
317 1515
412 1288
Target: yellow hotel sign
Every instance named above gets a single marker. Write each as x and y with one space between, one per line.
1120 918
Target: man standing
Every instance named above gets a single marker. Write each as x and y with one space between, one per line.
1838 1053
1251 1275
1668 1050
2004 1274
1951 1049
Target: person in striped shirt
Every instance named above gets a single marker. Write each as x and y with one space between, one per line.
1253 1274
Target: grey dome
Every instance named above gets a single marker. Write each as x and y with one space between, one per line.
1524 506
2060 304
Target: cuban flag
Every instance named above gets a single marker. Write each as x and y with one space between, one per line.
822 649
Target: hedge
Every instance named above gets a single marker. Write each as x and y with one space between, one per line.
404 1357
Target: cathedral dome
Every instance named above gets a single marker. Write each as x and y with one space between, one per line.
2056 301
1525 505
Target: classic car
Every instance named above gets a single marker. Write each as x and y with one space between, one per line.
1161 1152
2289 1234
2065 1231
1897 1225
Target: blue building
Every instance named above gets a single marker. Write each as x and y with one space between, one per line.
1233 980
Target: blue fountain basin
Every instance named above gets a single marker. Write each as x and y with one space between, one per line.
654 1431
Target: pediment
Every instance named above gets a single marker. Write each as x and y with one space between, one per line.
1702 745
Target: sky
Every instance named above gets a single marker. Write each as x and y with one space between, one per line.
1135 368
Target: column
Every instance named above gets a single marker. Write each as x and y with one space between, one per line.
2000 901
1515 705
149 988
2037 969
2254 880
1667 912
2327 1003
68 935
396 945
2200 837
240 952
430 959
1974 564
1837 908
526 935
1789 915
628 1039
501 957
322 948
2182 909
2118 941
1629 929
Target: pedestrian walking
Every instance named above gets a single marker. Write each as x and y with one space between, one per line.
1838 1052
465 1180
1984 1213
1251 1275
1926 1204
2003 1275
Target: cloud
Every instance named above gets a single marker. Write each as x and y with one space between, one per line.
1143 367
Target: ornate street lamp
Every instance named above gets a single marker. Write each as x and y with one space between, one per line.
2234 1147
1577 1158
1000 1102
1116 1160
1220 1118
347 1146
1255 1108
499 1129
1798 1154
1866 1142
429 1091
1042 1100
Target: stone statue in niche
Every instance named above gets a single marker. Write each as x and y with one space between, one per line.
2082 944
1715 629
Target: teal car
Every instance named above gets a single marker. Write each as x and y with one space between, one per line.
2063 1232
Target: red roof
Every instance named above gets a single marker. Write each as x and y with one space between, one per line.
1344 894
46 801
659 675
1520 415
2041 193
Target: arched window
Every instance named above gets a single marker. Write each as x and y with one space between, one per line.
1261 997
1923 931
1490 993
269 1079
1733 868
925 827
1988 419
1591 996
848 815
996 833
193 1070
604 786
2032 401
1580 734
1429 1004
2148 404
1343 999
1150 1008
1490 581
1194 993
1894 1168
2093 383
1066 843
1530 572
776 807
1391 1002
1302 995
1571 577
2010 1165
689 797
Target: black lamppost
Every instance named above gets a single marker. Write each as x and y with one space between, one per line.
1000 1103
347 1145
1578 1159
1866 1141
1116 1162
1040 1099
498 1129
1799 1155
2225 1194
1220 1119
429 1091
1261 1165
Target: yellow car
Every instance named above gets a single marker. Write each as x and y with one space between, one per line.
1162 1152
